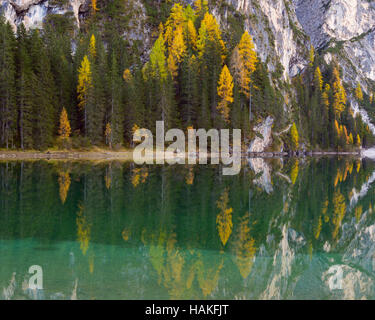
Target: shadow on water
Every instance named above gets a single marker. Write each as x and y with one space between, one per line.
281 229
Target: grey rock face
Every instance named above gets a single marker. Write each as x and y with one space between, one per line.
348 26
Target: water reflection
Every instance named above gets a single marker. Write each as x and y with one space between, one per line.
279 230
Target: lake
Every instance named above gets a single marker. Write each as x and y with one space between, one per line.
281 229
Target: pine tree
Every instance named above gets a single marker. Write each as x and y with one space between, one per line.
57 41
44 109
97 109
189 91
225 92
8 108
211 55
108 134
64 127
25 78
115 114
158 79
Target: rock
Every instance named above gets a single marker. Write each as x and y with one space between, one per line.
265 130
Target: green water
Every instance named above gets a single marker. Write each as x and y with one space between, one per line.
278 230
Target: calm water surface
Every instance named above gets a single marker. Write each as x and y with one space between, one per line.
278 230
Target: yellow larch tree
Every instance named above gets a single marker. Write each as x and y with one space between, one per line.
248 56
351 140
339 94
92 46
64 127
359 143
294 172
202 39
339 209
210 32
201 6
358 92
294 137
312 55
83 230
244 247
224 218
84 85
225 92
175 21
64 185
84 81
157 60
127 75
318 80
93 6
325 95
191 35
177 52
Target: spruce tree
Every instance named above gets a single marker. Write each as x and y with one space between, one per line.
25 94
8 108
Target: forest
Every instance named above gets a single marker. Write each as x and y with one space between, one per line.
63 87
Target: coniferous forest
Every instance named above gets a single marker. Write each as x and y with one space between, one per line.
66 87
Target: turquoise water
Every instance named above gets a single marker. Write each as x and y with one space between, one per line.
279 230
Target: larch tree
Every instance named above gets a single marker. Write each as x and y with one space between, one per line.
339 94
359 143
312 56
177 52
64 127
225 92
92 46
248 58
358 92
325 95
94 6
175 21
160 85
318 80
294 137
191 36
211 55
84 87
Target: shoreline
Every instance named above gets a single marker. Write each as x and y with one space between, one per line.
128 155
